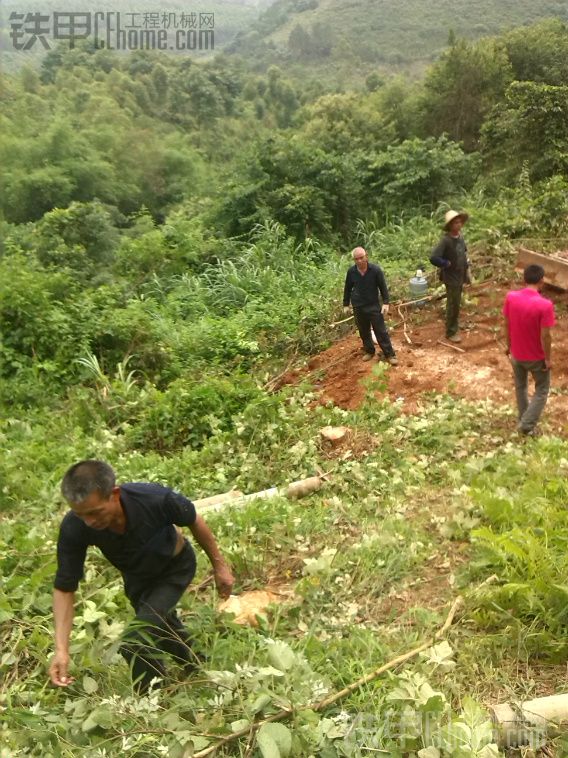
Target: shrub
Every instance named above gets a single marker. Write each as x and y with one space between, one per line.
189 412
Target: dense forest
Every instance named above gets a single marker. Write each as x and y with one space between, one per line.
173 235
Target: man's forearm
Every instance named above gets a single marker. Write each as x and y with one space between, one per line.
546 342
63 611
205 539
507 334
224 579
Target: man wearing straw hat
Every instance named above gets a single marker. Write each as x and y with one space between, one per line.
450 256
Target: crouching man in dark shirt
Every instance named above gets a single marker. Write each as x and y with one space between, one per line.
135 526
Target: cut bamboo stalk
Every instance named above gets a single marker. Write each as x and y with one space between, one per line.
456 605
285 713
429 298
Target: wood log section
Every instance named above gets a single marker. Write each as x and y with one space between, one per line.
248 606
304 487
555 269
334 435
524 723
236 499
208 503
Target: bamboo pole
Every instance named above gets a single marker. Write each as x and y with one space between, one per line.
284 713
427 299
391 664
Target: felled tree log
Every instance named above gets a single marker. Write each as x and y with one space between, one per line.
518 724
236 499
209 502
304 487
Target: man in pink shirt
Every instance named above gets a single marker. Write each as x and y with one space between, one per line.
528 320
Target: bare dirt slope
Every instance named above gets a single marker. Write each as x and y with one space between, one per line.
479 370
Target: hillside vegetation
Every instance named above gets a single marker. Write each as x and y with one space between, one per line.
173 240
231 17
344 42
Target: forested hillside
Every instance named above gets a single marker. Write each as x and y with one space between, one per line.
174 238
342 43
231 17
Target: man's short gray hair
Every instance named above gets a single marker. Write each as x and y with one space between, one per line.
86 477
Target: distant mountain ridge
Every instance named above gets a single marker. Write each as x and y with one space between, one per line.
331 36
230 18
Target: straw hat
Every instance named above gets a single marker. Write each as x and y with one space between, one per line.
451 215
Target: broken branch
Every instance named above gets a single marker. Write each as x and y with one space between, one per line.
454 347
343 321
404 325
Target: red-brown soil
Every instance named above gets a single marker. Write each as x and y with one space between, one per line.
479 370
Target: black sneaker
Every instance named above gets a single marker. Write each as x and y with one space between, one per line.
529 432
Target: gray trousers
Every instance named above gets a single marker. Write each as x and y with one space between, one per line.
530 412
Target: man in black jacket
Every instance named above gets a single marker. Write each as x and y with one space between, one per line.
135 526
450 256
364 286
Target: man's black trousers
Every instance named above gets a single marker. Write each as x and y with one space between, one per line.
371 317
157 630
453 304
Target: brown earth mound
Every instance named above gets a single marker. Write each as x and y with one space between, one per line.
479 370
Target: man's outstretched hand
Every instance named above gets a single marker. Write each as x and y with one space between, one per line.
224 580
58 670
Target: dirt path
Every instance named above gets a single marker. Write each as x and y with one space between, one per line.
480 372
